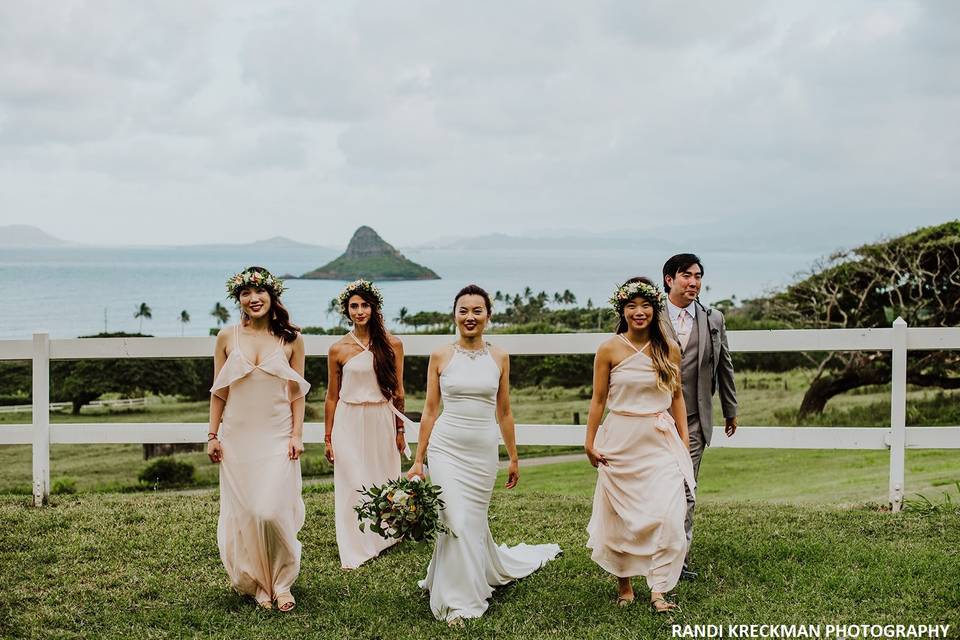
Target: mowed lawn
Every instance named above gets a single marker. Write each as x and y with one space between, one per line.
146 566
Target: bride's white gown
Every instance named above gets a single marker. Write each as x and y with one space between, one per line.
462 458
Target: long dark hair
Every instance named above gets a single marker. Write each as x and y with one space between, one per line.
384 357
668 373
280 324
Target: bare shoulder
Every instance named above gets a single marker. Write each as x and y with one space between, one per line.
500 356
336 349
298 341
609 346
395 342
442 353
223 337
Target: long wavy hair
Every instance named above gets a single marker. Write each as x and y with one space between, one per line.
280 324
668 373
384 357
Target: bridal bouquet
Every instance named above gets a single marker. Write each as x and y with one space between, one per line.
402 509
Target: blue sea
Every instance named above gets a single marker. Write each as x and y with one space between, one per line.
80 291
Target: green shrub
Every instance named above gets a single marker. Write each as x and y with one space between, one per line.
168 472
64 485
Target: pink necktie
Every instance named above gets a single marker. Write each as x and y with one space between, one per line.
683 328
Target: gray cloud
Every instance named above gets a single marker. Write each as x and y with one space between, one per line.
489 117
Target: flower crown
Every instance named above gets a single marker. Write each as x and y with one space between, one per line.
355 287
260 278
627 292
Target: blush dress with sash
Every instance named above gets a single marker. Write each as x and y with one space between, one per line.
463 454
261 510
639 504
364 443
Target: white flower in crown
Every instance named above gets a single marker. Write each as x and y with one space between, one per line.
254 278
631 290
355 287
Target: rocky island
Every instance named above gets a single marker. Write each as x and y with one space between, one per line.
370 256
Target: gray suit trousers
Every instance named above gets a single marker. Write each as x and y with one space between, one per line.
697 444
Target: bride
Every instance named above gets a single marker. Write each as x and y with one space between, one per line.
472 378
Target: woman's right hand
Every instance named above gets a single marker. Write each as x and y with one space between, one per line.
416 470
328 449
214 450
596 458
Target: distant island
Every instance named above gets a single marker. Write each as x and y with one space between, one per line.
370 256
21 236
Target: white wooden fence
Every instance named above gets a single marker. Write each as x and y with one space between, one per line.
898 339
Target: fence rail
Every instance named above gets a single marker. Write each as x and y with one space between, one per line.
899 339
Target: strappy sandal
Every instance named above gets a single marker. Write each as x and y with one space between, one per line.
456 623
623 601
264 604
285 602
669 608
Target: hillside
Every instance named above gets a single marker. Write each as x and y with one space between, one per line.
20 236
370 256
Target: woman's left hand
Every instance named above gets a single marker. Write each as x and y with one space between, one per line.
401 442
295 448
513 474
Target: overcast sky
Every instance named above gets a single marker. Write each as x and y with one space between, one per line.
193 121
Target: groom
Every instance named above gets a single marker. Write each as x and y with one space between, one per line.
705 366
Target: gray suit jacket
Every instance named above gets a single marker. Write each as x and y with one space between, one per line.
715 368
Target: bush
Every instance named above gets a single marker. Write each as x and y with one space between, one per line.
63 486
168 472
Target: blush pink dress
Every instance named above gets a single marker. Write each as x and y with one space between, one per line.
639 504
261 510
364 443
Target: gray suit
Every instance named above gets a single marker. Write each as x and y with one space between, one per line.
705 368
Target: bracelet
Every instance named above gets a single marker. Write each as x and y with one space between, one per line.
400 430
211 436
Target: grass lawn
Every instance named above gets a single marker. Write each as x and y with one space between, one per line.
146 566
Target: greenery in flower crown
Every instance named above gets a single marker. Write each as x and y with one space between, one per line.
402 509
355 287
258 278
627 292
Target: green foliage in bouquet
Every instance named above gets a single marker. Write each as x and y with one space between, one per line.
403 510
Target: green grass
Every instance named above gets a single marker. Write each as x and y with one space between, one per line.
146 566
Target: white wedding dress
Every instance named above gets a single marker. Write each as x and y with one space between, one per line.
462 458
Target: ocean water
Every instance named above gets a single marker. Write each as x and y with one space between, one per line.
81 291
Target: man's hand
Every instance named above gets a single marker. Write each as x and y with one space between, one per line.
730 426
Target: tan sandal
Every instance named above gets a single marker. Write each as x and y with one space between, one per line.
285 602
624 601
669 607
264 604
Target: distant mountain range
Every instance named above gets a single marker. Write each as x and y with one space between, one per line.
16 236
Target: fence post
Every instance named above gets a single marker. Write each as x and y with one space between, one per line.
41 418
898 414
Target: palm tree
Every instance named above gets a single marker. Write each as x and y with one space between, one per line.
527 292
143 312
568 297
498 296
221 313
589 303
557 298
184 319
402 316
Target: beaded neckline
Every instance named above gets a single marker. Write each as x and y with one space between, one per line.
473 354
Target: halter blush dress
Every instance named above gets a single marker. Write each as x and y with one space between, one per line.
639 504
261 510
364 443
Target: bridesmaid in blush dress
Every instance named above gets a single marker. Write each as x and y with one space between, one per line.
473 379
256 436
364 423
641 450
